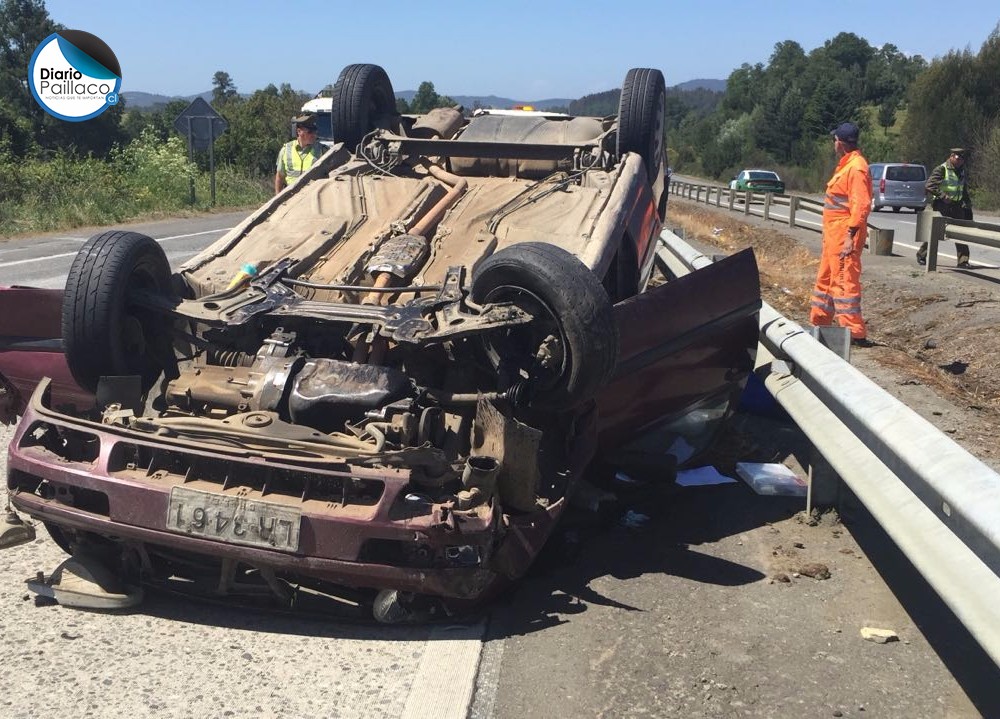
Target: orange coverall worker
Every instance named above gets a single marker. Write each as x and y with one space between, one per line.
837 294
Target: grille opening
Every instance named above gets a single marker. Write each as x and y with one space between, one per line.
89 500
174 466
68 443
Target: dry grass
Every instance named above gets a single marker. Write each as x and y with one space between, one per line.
922 330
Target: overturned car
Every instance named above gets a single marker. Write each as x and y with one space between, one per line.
385 384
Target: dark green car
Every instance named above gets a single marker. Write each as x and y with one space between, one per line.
757 181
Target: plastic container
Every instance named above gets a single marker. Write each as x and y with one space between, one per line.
247 272
771 478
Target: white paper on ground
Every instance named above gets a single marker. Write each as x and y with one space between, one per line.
771 478
701 477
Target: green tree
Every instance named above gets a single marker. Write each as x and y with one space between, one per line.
223 88
427 99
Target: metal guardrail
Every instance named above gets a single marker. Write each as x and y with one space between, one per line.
803 212
939 504
934 228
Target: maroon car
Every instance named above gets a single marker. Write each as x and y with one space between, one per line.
385 383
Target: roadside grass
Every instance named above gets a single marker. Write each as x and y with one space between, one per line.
149 177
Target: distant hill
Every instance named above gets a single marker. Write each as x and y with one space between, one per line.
598 104
494 101
698 96
150 101
713 85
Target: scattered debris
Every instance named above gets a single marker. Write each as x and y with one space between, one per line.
85 582
14 530
701 477
799 545
634 520
930 345
781 577
816 570
771 479
879 636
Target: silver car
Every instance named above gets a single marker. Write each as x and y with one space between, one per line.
898 185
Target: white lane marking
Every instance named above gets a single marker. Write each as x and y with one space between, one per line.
443 684
972 263
73 254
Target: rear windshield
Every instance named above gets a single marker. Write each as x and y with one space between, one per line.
763 176
906 173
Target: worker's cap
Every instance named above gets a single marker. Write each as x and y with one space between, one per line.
960 151
847 132
307 121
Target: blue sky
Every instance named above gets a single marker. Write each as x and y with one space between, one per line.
523 50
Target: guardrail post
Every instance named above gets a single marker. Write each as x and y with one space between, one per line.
718 197
767 205
793 207
881 242
938 224
732 199
746 202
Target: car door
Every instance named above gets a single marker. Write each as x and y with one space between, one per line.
31 348
684 346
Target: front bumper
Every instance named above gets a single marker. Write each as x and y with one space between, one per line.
116 483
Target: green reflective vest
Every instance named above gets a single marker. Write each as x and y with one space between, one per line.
952 185
296 160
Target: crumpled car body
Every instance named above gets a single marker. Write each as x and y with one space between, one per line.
386 383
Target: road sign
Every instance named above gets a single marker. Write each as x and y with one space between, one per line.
201 124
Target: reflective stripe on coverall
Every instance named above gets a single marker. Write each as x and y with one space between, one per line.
837 294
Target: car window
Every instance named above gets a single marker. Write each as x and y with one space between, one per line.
763 175
876 171
906 173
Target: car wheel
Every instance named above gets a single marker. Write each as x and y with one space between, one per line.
896 209
642 118
568 352
102 335
362 101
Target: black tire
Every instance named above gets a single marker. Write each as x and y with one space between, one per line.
569 304
896 208
102 335
642 118
362 101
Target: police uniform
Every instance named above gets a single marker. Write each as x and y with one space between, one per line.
949 191
293 159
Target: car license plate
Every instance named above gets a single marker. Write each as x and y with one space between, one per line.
236 520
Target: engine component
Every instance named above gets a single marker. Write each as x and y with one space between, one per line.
233 389
401 256
441 122
327 392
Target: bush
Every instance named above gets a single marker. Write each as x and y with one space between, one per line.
147 176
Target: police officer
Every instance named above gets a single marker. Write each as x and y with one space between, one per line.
949 191
298 155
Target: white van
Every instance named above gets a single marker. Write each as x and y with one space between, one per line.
898 185
322 108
